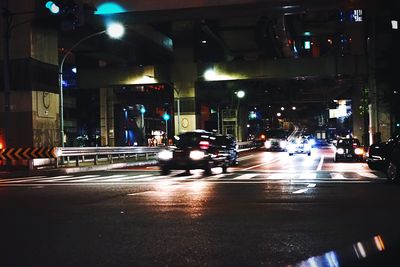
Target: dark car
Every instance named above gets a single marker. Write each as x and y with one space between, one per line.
199 150
348 149
386 157
275 140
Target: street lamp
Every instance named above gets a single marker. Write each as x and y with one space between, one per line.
115 31
166 117
240 94
142 111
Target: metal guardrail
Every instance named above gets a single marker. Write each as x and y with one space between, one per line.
95 154
84 153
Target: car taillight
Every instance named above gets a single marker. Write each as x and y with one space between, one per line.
262 137
204 144
355 145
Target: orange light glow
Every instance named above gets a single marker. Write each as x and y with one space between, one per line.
359 151
379 243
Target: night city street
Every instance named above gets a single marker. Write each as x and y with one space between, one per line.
163 133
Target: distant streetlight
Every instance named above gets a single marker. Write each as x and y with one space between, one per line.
240 94
293 108
166 117
282 108
142 111
115 31
278 114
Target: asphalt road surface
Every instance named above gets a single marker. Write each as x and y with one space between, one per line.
271 210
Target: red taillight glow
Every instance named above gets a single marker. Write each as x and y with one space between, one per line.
355 145
204 144
262 137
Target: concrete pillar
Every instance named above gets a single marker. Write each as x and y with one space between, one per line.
33 119
184 74
107 117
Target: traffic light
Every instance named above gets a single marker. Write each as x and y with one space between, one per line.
69 13
53 7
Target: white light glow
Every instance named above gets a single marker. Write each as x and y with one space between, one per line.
395 25
241 94
115 30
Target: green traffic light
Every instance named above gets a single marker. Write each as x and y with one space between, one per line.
54 9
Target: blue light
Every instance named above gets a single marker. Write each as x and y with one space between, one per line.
166 117
109 8
52 7
142 109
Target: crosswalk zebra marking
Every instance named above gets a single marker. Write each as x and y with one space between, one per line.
246 176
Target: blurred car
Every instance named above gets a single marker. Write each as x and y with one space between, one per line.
199 150
275 140
348 149
299 146
386 157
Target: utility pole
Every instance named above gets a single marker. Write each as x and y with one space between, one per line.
6 21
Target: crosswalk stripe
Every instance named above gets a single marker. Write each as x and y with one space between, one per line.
311 175
280 176
368 175
66 178
128 178
245 176
337 176
21 178
77 179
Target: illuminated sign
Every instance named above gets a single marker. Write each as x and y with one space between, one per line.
357 15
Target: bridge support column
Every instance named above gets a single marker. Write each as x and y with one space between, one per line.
184 75
32 116
107 117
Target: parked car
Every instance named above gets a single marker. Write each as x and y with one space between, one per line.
348 149
386 157
299 146
199 150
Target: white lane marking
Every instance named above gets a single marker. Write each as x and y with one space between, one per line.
308 175
280 176
41 179
320 163
149 178
65 178
22 178
368 175
300 191
77 179
245 176
337 176
311 185
217 176
259 165
128 178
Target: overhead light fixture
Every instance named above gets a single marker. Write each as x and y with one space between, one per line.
395 25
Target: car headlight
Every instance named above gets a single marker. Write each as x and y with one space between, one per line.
282 144
165 155
267 144
307 146
340 151
359 151
196 155
312 142
291 147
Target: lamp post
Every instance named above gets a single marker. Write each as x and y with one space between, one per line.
115 31
240 94
166 117
142 111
